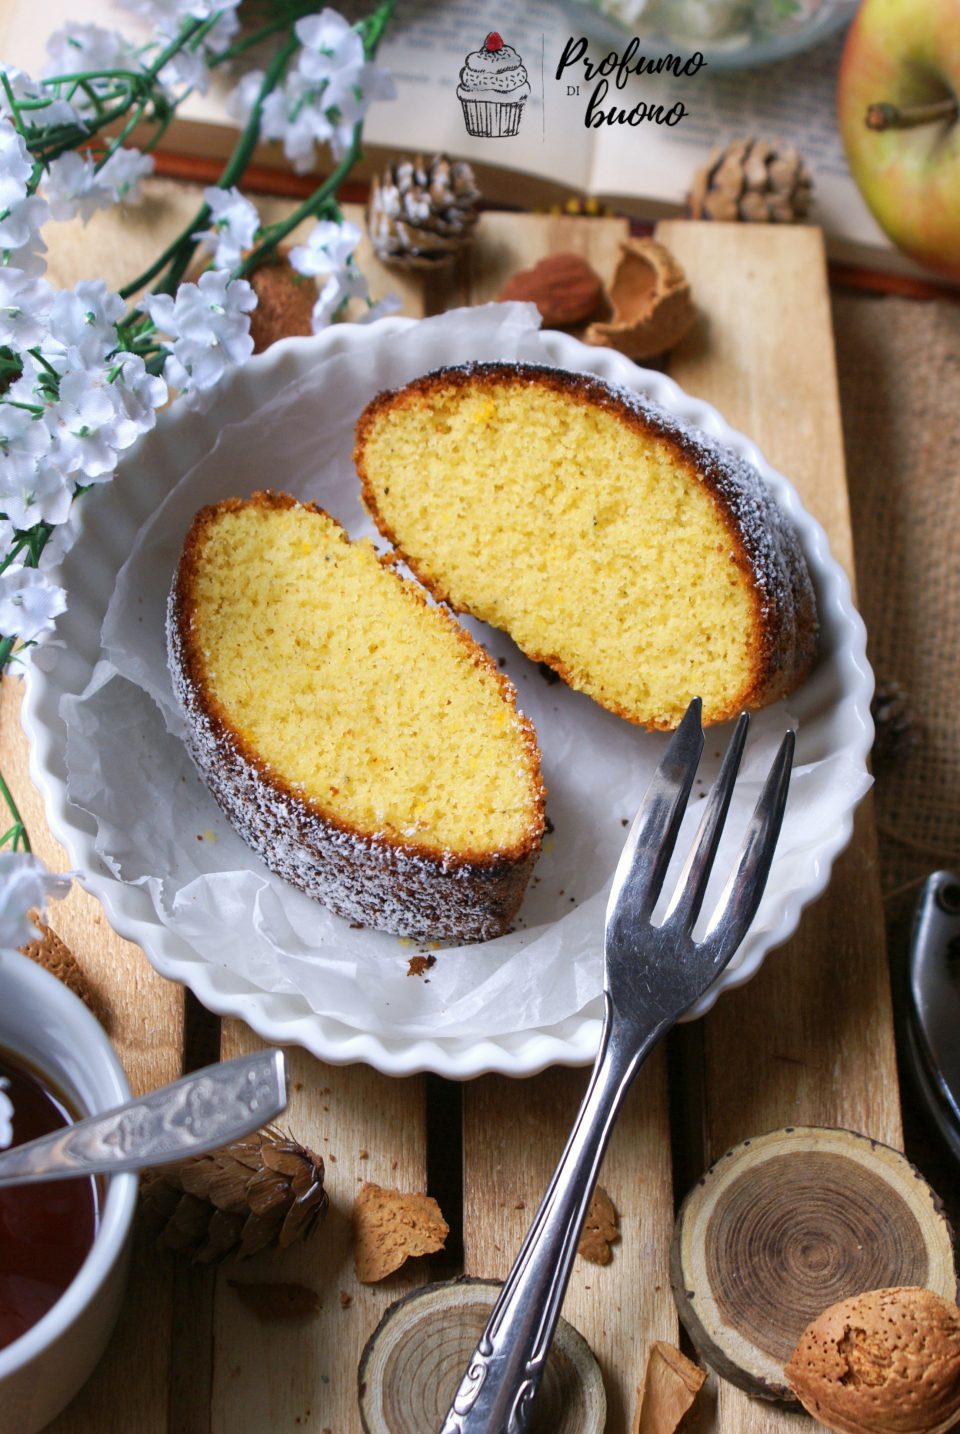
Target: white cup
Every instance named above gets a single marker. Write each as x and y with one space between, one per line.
51 1030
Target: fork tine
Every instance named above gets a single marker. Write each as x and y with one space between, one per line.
742 893
646 855
692 885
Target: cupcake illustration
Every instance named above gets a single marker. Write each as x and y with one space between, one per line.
493 89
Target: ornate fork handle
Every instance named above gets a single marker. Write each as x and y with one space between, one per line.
496 1394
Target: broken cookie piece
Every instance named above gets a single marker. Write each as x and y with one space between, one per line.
390 1227
601 1229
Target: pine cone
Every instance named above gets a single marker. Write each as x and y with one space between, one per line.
895 735
754 181
264 1190
420 214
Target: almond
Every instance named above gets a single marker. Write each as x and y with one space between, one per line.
887 1360
564 288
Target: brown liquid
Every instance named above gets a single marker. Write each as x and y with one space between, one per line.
47 1229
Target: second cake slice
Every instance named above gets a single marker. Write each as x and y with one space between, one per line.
359 740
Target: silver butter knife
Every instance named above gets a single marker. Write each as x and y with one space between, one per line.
933 1031
201 1112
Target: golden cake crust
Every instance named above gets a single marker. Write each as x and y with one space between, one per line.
762 541
370 877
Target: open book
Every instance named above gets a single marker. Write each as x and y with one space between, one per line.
643 170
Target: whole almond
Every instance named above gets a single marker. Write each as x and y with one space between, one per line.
887 1360
564 288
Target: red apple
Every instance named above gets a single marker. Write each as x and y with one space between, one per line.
898 114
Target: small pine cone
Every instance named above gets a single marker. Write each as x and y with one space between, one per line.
420 215
753 181
265 1190
895 734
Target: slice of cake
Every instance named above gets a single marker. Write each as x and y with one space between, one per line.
358 739
643 562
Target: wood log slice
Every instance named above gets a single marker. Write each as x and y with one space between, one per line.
414 1360
788 1223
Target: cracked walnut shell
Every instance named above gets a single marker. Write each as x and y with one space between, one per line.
884 1362
650 297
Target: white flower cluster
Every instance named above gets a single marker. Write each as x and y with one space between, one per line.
208 324
329 254
234 225
77 403
188 68
323 96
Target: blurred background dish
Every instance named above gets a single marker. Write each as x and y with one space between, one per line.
731 34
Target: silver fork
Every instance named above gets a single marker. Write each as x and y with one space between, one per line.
652 974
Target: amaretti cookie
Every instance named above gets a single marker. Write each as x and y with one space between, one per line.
357 738
642 561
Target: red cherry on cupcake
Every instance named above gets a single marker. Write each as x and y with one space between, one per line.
493 42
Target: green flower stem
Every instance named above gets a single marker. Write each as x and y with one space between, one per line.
18 830
180 250
310 207
131 124
139 83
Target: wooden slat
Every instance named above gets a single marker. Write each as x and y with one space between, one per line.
304 1377
367 1127
810 1039
619 1307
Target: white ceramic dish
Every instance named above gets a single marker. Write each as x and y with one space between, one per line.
44 1023
832 710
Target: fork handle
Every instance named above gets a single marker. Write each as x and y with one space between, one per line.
497 1392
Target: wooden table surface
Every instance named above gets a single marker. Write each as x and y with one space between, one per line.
808 1041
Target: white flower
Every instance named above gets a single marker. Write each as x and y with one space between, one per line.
138 393
20 231
330 44
188 68
24 308
323 97
210 327
123 172
55 111
6 1115
29 603
90 425
241 99
83 325
24 439
329 245
59 543
235 223
25 884
43 495
168 15
16 165
342 286
91 49
72 186
291 113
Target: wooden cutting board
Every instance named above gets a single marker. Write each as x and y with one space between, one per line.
808 1040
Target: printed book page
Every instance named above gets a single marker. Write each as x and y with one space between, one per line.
644 168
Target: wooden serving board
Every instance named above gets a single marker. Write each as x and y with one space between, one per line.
809 1040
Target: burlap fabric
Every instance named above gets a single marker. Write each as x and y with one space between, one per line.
899 370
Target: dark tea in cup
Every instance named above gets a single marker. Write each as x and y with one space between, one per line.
47 1228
